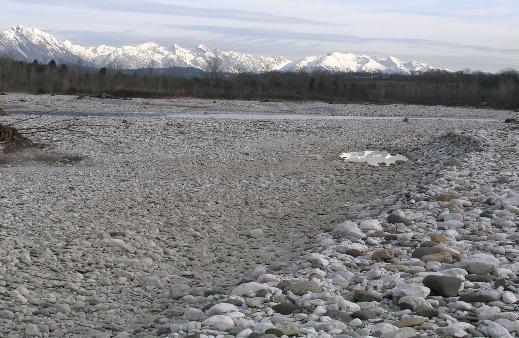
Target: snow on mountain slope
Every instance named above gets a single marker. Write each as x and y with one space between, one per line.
30 44
340 62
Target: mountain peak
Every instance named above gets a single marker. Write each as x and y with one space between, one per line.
28 44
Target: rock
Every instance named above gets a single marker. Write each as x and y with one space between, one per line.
405 332
317 260
364 314
492 329
370 225
413 302
254 233
184 325
247 289
410 322
341 316
395 218
349 230
219 322
268 278
356 249
451 225
32 330
439 238
18 297
483 296
481 278
356 322
446 197
302 288
425 251
511 201
178 291
382 255
366 296
285 308
193 314
509 297
428 244
427 311
510 325
402 290
163 330
285 329
6 314
453 217
118 243
382 329
221 308
480 263
444 286
255 301
442 257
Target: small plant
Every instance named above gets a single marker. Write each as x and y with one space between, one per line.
3 112
512 121
406 120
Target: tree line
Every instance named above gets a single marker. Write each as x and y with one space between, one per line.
465 88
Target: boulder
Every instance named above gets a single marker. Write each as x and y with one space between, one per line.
444 286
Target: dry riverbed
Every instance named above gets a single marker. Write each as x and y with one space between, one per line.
107 243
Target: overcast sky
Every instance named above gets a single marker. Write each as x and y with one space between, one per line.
457 34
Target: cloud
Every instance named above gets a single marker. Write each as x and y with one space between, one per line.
340 38
151 7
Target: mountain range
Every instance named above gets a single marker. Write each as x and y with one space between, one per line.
28 44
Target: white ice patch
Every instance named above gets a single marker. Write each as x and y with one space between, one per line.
373 157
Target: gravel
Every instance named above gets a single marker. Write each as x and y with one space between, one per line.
174 226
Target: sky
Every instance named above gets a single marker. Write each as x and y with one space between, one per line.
454 34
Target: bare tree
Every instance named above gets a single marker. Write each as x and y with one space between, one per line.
214 63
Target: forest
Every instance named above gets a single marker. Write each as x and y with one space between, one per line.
466 88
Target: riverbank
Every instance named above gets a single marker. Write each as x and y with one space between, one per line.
107 244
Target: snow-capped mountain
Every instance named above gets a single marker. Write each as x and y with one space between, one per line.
340 62
30 44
